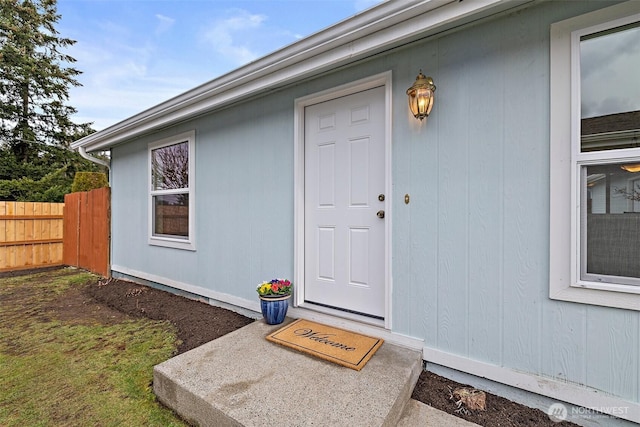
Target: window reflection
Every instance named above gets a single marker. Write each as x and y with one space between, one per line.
170 167
610 188
609 64
171 215
613 188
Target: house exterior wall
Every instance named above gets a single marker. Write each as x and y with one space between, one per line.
244 205
470 251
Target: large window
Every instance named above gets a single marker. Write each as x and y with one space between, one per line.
607 157
595 158
171 191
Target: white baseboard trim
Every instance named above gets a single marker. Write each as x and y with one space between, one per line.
559 390
197 290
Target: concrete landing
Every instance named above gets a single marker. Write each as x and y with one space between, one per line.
241 379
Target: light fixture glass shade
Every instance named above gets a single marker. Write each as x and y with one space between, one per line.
634 168
421 96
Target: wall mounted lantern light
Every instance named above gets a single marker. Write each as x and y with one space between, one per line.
421 96
634 168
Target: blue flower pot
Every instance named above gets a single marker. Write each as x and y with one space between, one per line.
274 308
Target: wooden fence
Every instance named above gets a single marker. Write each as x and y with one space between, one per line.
30 235
87 218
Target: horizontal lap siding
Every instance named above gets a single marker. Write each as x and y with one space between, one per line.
30 235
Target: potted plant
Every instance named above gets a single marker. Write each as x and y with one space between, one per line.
274 300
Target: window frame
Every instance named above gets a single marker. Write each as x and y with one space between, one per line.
188 243
566 161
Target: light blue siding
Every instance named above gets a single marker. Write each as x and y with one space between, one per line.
611 338
469 252
244 205
564 342
471 266
525 191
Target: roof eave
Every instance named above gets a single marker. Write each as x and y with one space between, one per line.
388 25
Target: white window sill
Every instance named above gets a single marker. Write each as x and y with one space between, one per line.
173 243
600 297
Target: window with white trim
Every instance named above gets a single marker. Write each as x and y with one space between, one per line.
171 191
595 158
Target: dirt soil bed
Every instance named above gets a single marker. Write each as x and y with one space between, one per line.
112 301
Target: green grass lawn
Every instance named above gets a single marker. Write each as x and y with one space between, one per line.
73 373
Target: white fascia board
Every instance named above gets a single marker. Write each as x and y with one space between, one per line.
388 25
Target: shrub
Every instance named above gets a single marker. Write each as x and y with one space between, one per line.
85 181
50 188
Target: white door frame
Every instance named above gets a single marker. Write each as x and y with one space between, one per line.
383 79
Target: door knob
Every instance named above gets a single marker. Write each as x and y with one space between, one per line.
380 214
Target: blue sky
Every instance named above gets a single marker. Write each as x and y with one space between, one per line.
135 54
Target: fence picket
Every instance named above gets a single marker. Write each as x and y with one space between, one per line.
87 230
76 232
30 235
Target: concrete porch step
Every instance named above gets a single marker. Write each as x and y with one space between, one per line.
241 379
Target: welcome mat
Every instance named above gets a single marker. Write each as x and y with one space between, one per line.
326 342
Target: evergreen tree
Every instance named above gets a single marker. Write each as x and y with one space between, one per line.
35 77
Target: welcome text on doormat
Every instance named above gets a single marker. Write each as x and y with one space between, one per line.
336 345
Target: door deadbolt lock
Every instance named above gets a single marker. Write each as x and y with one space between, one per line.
380 214
381 197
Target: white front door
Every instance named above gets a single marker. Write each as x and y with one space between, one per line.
345 201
